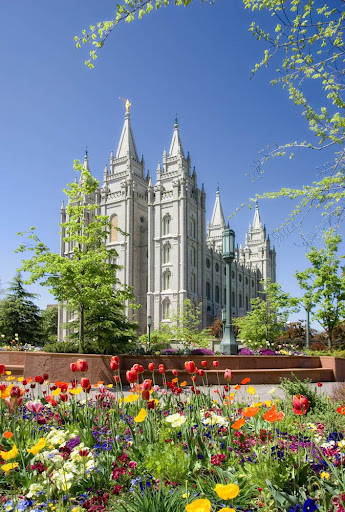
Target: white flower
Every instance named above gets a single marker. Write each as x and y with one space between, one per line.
176 420
34 489
215 419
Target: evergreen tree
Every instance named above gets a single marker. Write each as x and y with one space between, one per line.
19 316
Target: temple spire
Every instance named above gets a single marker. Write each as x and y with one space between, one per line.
217 215
257 224
126 144
176 148
86 160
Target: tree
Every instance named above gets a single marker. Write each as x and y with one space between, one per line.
266 320
19 316
107 329
324 283
185 326
217 328
87 276
305 42
49 318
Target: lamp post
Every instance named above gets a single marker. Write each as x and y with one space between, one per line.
228 344
149 325
308 307
223 320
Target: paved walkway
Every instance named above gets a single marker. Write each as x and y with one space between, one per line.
266 391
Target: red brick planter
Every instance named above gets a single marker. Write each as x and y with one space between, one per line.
260 369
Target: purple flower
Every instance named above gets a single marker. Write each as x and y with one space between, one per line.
267 352
202 352
246 352
309 505
72 443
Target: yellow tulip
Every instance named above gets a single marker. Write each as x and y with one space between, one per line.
129 399
141 416
227 509
36 448
75 391
11 454
201 505
251 390
227 492
56 392
9 466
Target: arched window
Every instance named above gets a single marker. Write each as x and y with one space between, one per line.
239 300
208 290
216 294
166 224
166 253
166 280
113 228
166 309
192 228
193 282
193 256
247 303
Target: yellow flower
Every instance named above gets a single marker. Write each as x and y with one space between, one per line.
251 390
325 475
6 392
257 404
141 416
12 377
199 506
56 392
109 385
227 509
11 454
185 495
77 509
36 448
128 399
75 391
227 492
20 379
8 372
9 466
268 403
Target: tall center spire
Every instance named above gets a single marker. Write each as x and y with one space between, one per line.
126 146
218 215
176 144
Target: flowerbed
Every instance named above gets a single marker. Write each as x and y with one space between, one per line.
73 446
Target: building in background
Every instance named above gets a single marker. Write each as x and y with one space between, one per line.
166 251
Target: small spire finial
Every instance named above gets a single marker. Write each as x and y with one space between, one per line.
176 121
218 187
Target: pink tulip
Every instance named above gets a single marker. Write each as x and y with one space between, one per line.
227 374
35 407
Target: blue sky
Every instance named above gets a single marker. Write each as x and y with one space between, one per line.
191 62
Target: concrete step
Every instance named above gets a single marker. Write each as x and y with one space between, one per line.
261 376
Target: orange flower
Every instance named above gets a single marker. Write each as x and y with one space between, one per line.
273 415
183 384
238 386
246 380
7 434
341 409
249 412
238 423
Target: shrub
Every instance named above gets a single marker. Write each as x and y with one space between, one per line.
202 352
68 347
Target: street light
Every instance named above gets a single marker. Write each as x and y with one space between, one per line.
228 344
149 325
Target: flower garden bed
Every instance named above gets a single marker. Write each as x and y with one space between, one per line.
169 448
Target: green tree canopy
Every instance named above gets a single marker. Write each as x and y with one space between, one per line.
86 276
19 316
266 320
323 283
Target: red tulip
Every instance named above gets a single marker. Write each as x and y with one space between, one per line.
161 368
73 367
147 384
190 366
117 379
45 376
145 394
227 374
138 368
151 367
39 379
204 364
2 369
215 364
63 397
85 383
200 372
115 358
174 372
82 365
114 365
51 400
300 404
151 404
319 384
131 376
